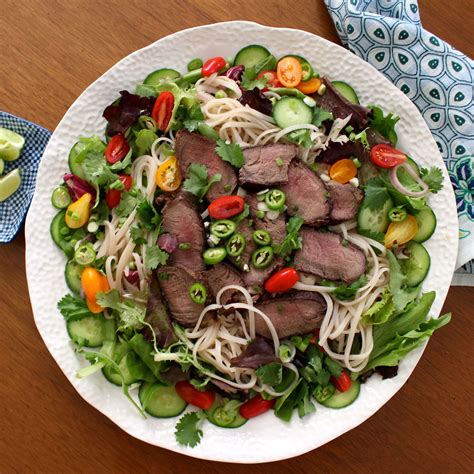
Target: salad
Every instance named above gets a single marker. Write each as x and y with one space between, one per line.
245 237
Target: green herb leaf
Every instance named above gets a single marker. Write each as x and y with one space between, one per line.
197 181
433 178
96 169
231 153
385 125
381 311
333 367
270 374
148 215
320 115
128 202
301 137
154 257
376 194
188 432
131 315
73 308
138 234
347 292
249 79
144 138
291 241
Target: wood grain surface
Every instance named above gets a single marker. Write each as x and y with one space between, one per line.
50 51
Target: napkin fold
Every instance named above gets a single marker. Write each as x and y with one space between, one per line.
437 78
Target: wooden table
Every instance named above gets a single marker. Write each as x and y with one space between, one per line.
51 50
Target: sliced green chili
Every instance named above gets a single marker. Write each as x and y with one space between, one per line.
262 237
85 254
321 393
214 256
223 228
184 246
195 63
260 214
198 293
61 198
397 214
235 245
262 257
275 199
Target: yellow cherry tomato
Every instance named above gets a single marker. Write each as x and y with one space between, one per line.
309 87
77 213
168 175
289 71
400 233
343 171
93 282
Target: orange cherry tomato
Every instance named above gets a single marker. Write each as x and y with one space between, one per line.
400 233
93 282
168 175
163 110
343 171
289 71
282 280
309 87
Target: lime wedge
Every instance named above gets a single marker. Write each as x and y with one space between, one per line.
9 184
11 144
2 166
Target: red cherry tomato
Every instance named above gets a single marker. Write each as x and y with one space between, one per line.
282 280
272 78
343 382
112 196
226 206
163 110
213 65
192 395
386 156
255 406
117 148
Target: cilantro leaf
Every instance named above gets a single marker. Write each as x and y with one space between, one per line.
143 140
270 374
385 125
301 137
291 241
314 358
197 181
249 79
148 215
128 202
334 368
73 308
433 178
347 292
231 153
193 118
96 169
138 234
323 377
188 432
376 194
131 315
320 115
154 257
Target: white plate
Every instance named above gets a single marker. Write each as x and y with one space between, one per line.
265 438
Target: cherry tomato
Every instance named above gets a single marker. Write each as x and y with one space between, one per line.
343 171
272 79
213 65
400 233
255 406
163 110
309 87
117 148
192 395
282 280
93 282
386 156
226 206
343 382
168 175
112 196
289 71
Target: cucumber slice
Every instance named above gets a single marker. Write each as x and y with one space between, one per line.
426 220
74 166
343 399
414 165
2 166
161 75
11 144
251 55
417 266
9 184
290 111
114 377
161 401
86 331
306 68
373 220
217 416
346 91
73 275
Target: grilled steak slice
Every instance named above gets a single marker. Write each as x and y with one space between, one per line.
267 165
175 283
345 200
195 148
298 313
276 228
219 276
306 195
324 255
181 218
256 277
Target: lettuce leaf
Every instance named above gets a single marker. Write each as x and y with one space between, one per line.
381 311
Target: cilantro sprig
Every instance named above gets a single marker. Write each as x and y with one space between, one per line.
232 153
188 429
198 181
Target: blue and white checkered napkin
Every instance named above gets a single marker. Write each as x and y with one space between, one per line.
13 209
437 78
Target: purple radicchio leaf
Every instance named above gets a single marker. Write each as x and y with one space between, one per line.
256 100
77 187
133 277
123 115
235 72
258 352
168 242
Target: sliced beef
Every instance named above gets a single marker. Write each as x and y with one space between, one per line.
222 275
195 148
345 200
276 228
181 218
306 195
267 165
324 255
333 101
243 259
255 278
298 313
175 283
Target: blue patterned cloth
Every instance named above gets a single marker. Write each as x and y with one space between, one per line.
437 78
13 209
